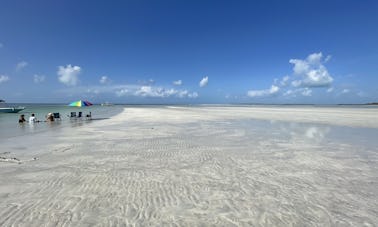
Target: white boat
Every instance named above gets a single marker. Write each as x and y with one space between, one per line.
9 109
106 104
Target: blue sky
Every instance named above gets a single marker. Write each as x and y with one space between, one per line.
321 52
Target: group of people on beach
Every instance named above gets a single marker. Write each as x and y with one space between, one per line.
33 119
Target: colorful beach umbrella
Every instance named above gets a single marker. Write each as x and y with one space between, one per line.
80 103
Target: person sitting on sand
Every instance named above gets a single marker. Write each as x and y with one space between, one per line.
49 117
21 119
32 118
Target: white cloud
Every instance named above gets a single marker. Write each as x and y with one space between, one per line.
288 92
296 83
284 80
1 45
314 58
131 90
104 80
307 92
300 66
147 91
308 73
38 78
204 81
329 90
177 82
267 92
344 91
182 93
3 78
312 71
193 95
21 65
158 92
128 90
69 75
186 94
122 92
298 91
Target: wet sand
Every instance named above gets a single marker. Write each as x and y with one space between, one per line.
198 166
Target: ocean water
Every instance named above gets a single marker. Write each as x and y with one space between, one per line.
9 126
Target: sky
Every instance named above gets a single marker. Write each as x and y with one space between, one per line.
183 52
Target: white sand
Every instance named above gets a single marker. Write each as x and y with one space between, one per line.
197 166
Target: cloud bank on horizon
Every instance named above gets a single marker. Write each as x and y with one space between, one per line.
307 75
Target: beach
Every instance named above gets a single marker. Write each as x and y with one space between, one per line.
197 166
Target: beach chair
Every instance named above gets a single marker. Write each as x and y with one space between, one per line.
73 115
80 114
88 116
57 116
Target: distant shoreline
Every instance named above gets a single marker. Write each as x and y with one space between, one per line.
201 104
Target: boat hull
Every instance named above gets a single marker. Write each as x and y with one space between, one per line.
11 109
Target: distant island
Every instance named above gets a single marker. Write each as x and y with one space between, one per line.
372 103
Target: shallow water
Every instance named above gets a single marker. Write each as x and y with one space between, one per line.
9 126
283 173
182 167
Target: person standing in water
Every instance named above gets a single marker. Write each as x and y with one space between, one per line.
21 119
49 117
32 118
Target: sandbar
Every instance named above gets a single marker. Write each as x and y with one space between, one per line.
198 166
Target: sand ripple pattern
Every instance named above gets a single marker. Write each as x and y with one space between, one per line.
133 171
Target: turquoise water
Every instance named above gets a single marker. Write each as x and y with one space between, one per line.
9 126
